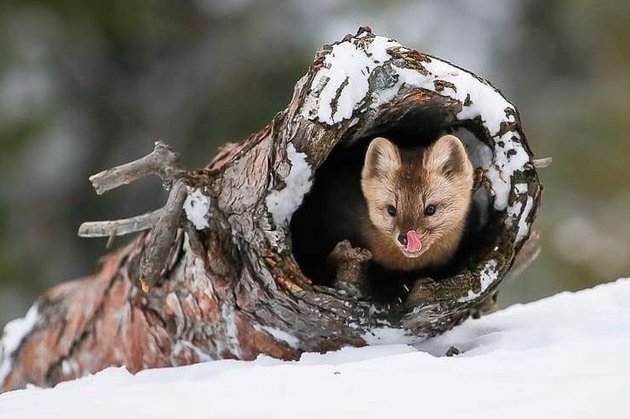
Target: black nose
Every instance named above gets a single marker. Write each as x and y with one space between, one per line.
402 239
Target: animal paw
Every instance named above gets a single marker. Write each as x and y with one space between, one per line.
345 253
348 262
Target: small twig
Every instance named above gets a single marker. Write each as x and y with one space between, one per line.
155 256
162 162
542 163
120 227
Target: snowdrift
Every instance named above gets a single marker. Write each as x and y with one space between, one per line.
565 356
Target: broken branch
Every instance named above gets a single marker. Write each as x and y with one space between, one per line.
155 256
163 162
94 229
542 163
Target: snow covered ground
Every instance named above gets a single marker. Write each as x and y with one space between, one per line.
562 357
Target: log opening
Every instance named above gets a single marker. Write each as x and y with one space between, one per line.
416 121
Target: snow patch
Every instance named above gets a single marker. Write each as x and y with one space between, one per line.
514 211
509 157
283 203
517 212
485 101
342 82
388 336
523 227
14 332
197 208
489 274
69 367
278 334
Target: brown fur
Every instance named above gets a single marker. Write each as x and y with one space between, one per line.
441 175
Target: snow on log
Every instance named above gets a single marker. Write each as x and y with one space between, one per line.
230 286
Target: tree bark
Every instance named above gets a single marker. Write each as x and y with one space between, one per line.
229 286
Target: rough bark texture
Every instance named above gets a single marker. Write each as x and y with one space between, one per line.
233 288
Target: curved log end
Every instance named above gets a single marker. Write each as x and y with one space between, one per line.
366 86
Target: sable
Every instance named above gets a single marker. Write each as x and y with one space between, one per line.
229 286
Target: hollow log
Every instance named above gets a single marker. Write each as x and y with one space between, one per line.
229 285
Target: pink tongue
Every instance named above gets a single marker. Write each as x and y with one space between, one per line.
413 242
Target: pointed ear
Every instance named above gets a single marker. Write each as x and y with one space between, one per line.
382 157
448 157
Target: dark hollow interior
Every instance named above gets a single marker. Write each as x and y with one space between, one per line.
339 177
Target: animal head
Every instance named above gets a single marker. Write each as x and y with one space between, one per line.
417 200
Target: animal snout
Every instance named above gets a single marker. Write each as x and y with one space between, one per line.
402 239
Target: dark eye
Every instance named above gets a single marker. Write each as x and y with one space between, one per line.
391 210
429 210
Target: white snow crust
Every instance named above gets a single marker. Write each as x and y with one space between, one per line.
14 332
523 228
562 357
284 202
345 76
278 334
197 208
520 213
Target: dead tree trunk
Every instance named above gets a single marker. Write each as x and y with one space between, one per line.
225 284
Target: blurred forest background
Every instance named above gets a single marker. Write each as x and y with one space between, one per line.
87 85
